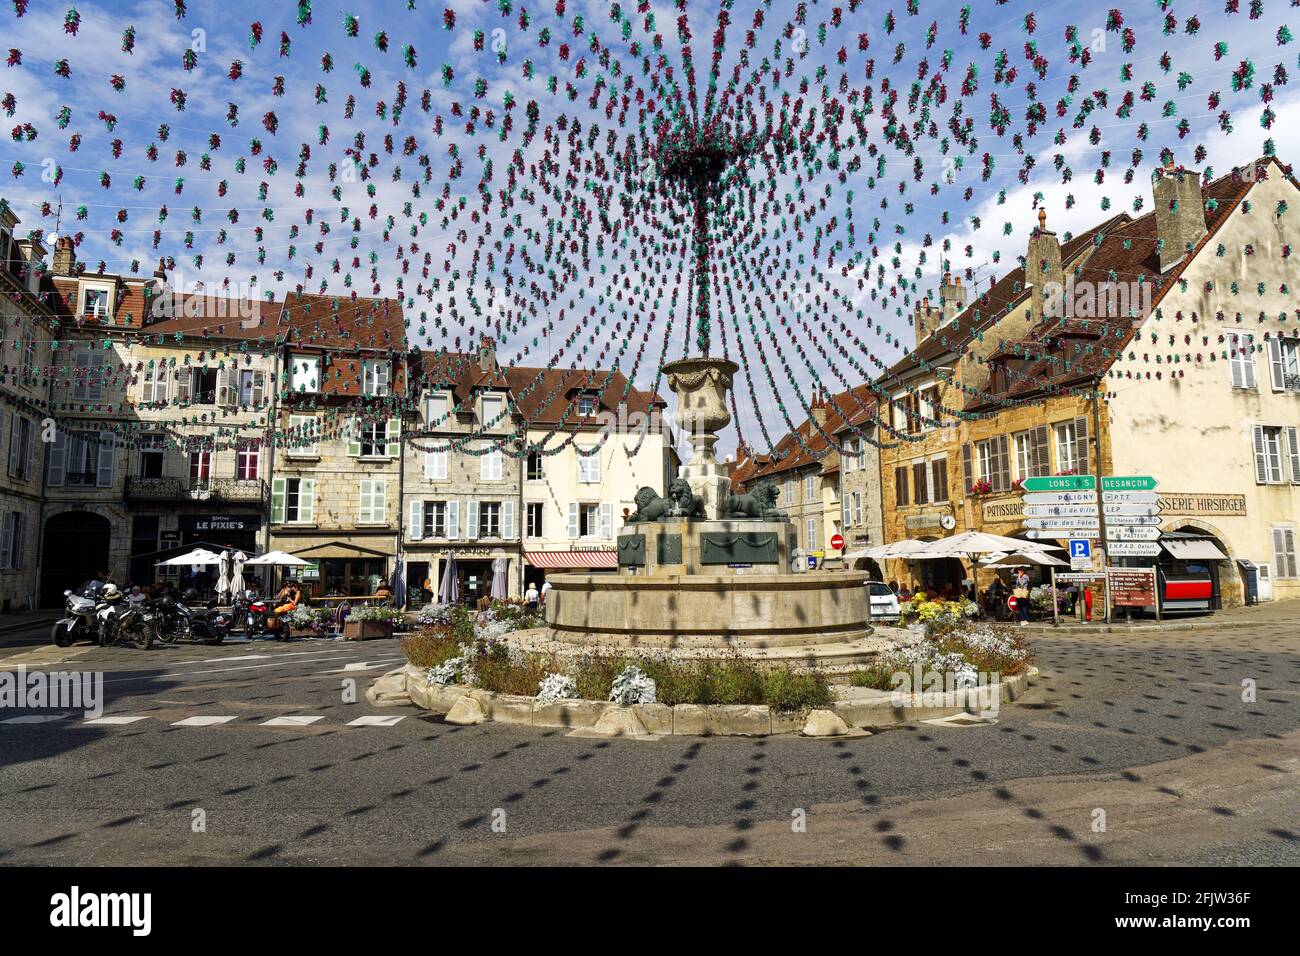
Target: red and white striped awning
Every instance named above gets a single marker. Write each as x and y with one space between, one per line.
556 560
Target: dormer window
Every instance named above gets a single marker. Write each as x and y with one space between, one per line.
375 378
94 305
586 405
491 412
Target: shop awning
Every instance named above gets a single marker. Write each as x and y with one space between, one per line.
1199 549
556 560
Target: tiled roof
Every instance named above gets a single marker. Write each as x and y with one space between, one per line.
1127 263
544 395
987 308
848 408
367 328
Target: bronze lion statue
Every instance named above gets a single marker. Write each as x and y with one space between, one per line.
684 502
759 504
649 506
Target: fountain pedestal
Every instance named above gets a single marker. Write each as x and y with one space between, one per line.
701 386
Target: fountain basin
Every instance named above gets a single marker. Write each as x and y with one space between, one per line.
708 610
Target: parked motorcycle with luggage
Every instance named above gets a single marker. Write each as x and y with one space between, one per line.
252 614
80 624
118 619
181 619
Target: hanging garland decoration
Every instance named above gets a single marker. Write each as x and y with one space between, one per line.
599 179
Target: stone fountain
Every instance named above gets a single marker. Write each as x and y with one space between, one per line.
701 567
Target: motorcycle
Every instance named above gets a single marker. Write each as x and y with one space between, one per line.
178 620
80 624
252 612
120 620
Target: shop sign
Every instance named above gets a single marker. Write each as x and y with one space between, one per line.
1192 503
208 524
1004 509
922 521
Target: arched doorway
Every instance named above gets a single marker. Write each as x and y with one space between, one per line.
870 567
76 546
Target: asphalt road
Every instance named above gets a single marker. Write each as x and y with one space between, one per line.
1150 731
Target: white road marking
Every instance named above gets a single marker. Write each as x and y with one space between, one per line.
117 720
300 720
35 719
222 660
202 721
376 720
363 665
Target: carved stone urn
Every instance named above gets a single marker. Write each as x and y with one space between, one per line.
701 386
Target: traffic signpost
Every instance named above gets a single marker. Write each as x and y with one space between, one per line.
1133 549
1128 483
1060 483
837 542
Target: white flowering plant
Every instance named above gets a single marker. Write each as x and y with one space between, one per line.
632 686
555 687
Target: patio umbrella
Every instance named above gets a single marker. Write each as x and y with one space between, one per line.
277 557
199 556
499 589
398 582
449 589
970 543
1024 559
237 574
223 575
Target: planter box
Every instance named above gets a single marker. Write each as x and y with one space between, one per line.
354 630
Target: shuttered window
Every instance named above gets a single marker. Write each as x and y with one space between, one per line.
900 486
1267 440
1284 557
1241 360
920 482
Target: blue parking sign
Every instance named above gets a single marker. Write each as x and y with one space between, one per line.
1080 548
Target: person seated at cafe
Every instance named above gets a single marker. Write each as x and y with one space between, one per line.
383 595
288 598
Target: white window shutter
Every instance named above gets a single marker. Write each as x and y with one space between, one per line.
353 430
1248 361
394 435
573 519
379 502
440 465
1293 452
607 520
507 519
471 520
453 520
259 388
428 465
277 500
845 507
593 468
307 500
184 382
107 452
225 394
58 458
1261 456
1277 369
416 526
485 466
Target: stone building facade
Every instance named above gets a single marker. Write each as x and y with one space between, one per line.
461 476
27 326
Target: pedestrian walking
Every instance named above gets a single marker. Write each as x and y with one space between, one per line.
1022 596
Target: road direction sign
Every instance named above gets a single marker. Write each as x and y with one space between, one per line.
1076 524
1115 521
1129 497
1133 534
1134 549
1128 483
1046 511
1060 498
1109 510
1052 534
1060 483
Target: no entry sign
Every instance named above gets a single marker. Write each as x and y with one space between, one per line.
837 542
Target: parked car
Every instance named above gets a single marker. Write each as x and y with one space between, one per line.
884 602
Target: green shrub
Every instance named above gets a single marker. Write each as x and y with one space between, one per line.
878 677
430 647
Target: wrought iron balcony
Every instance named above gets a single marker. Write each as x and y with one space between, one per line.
217 490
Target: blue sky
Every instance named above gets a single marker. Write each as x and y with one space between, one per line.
593 315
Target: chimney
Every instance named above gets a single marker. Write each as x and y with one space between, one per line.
65 256
1044 274
925 320
487 355
952 298
819 408
1180 212
159 301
